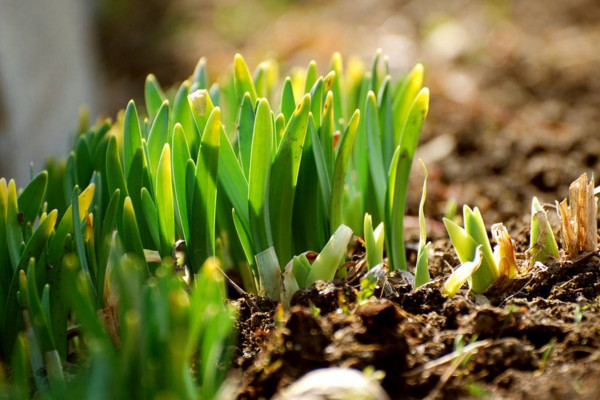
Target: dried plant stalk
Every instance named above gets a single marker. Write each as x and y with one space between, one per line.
578 217
591 241
505 251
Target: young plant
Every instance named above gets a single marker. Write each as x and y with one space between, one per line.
300 273
479 265
397 183
542 244
160 330
422 267
374 240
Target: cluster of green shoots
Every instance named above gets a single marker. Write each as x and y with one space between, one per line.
122 276
69 291
481 266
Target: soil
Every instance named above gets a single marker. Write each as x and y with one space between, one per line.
534 337
514 113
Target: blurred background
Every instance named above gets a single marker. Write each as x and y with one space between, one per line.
509 79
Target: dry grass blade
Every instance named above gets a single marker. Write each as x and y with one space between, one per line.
567 232
507 261
578 217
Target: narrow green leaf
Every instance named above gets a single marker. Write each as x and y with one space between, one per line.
182 114
158 136
79 243
181 155
316 106
403 99
376 161
259 177
323 173
339 172
373 242
422 267
242 79
199 77
201 106
475 228
375 71
6 272
326 133
398 181
14 232
164 202
114 175
336 87
311 76
20 381
138 178
330 258
360 156
289 285
463 243
106 235
151 216
300 268
56 198
81 300
154 96
284 176
246 121
31 198
70 177
57 247
260 81
83 162
233 181
65 226
310 230
270 274
461 274
244 239
54 371
202 229
132 135
288 103
278 133
386 125
132 242
38 318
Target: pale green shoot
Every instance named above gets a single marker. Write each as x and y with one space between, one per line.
422 268
542 244
374 240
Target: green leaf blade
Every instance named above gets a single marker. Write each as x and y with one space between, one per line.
284 176
259 177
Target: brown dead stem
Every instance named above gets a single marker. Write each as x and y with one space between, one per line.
578 218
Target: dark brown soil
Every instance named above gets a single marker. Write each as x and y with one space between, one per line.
537 337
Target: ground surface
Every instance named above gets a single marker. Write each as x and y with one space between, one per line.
515 112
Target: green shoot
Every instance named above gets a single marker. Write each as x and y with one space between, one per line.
542 244
466 241
374 240
397 184
422 268
461 274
